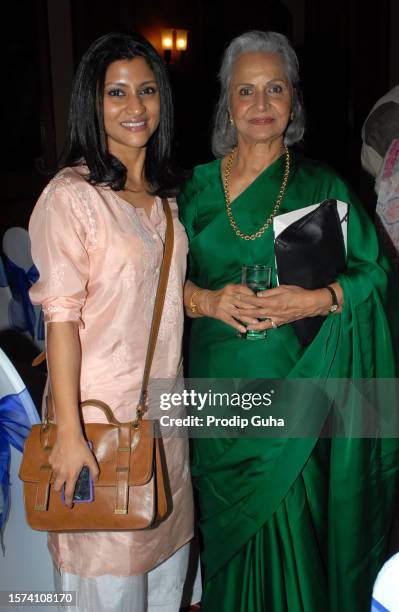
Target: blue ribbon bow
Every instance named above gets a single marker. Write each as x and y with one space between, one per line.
22 314
3 278
14 428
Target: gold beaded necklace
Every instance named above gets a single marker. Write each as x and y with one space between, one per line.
226 179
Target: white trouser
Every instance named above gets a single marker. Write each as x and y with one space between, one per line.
160 590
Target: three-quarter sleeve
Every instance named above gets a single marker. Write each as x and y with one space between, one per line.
58 241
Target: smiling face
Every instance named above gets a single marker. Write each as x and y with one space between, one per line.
260 98
131 105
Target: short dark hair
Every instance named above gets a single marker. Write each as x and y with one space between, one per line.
87 138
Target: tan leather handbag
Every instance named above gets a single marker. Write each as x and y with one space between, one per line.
131 489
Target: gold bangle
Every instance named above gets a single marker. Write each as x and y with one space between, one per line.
192 305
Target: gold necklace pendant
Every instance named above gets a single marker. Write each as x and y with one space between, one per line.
226 179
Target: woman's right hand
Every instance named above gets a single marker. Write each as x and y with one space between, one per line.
70 453
224 304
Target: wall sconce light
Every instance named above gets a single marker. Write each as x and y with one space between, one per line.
181 40
173 39
167 44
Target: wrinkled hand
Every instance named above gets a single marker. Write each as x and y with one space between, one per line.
69 455
285 304
231 305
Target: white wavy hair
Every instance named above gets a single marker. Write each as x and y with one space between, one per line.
224 135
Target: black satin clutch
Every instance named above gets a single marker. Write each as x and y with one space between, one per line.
311 253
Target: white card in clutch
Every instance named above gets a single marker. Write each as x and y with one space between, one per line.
281 222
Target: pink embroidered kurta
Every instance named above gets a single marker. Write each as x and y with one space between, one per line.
99 260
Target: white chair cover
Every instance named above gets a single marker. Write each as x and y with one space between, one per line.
386 587
26 565
19 272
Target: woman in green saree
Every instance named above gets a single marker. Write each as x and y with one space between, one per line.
293 524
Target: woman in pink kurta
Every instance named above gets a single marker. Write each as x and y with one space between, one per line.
97 236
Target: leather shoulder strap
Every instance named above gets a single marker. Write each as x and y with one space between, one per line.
159 300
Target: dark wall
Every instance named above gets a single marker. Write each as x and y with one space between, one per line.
345 69
20 103
24 99
344 66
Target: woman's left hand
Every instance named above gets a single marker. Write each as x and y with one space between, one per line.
287 303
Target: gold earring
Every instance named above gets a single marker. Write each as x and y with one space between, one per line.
230 118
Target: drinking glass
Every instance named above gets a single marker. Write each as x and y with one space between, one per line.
258 278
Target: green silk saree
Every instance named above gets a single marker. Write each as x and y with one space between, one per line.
294 524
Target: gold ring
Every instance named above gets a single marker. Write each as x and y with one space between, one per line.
274 325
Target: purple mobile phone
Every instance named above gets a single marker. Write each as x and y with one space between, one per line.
84 490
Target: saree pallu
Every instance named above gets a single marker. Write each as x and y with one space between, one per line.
290 524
